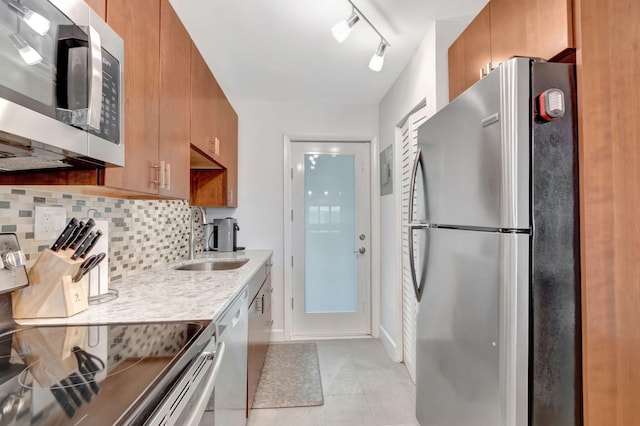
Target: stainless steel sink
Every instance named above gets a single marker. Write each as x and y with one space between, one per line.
213 265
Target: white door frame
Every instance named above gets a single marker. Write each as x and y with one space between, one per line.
288 227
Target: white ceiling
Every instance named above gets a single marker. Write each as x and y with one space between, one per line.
283 50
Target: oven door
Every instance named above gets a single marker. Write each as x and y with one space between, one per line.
186 402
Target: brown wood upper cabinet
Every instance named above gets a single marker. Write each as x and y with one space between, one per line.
507 28
229 152
175 104
470 54
534 28
205 95
214 135
156 99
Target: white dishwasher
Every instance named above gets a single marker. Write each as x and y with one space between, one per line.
230 394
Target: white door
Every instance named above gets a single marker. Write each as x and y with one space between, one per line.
331 239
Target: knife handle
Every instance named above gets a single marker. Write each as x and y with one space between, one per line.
73 236
82 234
83 247
92 244
66 234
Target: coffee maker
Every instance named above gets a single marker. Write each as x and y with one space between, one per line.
223 235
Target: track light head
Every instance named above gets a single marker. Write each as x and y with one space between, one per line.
342 29
377 60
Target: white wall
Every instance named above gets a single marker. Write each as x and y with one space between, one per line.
425 77
261 128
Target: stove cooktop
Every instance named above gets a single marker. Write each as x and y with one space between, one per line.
93 374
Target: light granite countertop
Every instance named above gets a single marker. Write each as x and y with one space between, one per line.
166 294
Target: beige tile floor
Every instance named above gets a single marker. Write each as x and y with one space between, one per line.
361 386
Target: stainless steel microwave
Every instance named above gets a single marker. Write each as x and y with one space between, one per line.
61 87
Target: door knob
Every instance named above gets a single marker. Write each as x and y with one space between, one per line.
361 250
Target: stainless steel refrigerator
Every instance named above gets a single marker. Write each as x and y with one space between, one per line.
494 220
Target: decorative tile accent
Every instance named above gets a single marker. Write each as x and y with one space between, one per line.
142 233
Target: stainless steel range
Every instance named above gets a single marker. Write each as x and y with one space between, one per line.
104 374
97 374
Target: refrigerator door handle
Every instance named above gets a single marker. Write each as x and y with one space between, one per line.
417 288
414 176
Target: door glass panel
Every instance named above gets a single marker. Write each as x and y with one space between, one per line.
28 42
330 220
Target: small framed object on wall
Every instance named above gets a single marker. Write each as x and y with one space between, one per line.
386 171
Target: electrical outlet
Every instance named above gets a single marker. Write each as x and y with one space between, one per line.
49 221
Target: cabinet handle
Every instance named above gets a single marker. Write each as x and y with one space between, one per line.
486 70
216 146
157 180
162 174
167 185
260 305
230 196
270 323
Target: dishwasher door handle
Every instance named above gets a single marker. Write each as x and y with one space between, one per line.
201 403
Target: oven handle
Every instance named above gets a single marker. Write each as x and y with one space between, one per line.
201 404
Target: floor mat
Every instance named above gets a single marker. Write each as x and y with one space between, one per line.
290 377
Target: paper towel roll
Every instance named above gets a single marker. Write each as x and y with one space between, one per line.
99 276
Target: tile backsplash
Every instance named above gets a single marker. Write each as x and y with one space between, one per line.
142 233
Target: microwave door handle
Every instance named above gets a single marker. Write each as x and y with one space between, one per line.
95 79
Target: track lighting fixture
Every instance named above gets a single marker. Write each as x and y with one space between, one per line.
29 55
377 60
37 22
342 29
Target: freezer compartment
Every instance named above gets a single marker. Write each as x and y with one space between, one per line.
472 332
475 154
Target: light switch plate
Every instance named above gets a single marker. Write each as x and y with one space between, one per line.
49 221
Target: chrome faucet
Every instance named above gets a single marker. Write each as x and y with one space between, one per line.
192 238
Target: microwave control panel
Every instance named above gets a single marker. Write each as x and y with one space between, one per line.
110 116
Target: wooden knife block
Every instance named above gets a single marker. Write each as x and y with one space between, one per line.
51 292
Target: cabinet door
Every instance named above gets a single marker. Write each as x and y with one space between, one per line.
259 337
204 94
470 54
175 103
229 151
254 367
536 28
138 23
